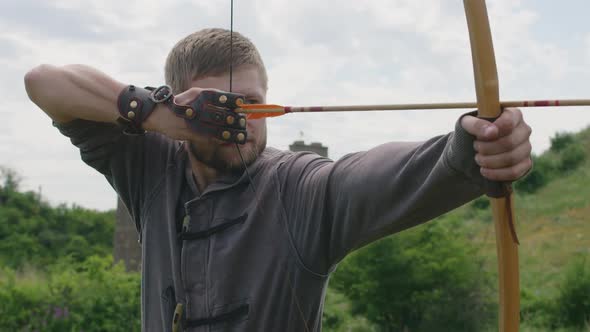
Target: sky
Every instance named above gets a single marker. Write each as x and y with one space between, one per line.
316 53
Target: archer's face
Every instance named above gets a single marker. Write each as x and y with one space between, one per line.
223 156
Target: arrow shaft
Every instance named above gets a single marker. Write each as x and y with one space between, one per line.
263 108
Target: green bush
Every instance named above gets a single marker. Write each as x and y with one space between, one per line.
573 302
566 155
543 171
35 233
571 157
537 311
560 141
425 279
337 316
481 203
94 295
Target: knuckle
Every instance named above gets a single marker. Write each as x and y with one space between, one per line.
493 175
508 143
480 160
511 159
514 173
529 130
529 148
510 125
480 125
482 148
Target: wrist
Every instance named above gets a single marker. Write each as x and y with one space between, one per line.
156 117
136 106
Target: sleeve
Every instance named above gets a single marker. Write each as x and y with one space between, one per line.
131 164
333 208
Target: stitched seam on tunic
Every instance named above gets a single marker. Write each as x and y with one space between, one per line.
154 192
285 220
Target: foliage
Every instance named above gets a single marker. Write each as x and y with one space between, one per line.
569 310
33 232
426 279
481 203
543 170
571 157
561 140
338 317
573 301
93 295
9 178
536 310
566 154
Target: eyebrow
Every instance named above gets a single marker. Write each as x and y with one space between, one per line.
254 96
251 94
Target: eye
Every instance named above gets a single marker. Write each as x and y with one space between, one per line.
253 100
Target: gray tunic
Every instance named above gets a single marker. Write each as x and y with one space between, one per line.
260 261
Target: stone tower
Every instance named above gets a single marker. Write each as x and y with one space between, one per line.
313 147
125 245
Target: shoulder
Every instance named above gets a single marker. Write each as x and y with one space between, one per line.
288 164
285 158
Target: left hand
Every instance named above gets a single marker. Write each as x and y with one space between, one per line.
503 148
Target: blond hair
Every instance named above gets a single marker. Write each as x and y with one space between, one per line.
208 52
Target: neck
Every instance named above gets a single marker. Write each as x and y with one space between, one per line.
203 174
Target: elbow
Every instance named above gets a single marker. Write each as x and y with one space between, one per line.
34 78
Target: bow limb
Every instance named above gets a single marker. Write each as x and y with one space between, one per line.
488 101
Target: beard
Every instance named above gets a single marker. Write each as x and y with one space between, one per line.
227 158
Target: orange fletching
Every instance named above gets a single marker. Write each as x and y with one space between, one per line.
254 116
259 111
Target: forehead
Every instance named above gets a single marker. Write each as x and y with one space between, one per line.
245 80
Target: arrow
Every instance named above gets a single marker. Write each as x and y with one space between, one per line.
257 111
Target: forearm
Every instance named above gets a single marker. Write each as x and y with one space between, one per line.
74 92
400 185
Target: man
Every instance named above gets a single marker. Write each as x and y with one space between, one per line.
229 249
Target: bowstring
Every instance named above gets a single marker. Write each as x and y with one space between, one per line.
250 180
231 46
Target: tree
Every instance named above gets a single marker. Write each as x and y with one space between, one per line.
425 279
10 179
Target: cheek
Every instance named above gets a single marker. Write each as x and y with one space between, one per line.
258 127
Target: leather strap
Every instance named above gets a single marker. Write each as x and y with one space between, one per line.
136 105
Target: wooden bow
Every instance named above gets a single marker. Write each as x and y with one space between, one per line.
488 101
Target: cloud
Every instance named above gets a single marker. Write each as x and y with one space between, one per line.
45 19
316 52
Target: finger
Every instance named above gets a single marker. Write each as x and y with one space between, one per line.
507 159
519 136
510 119
509 173
187 96
480 128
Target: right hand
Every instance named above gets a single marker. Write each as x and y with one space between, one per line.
164 121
